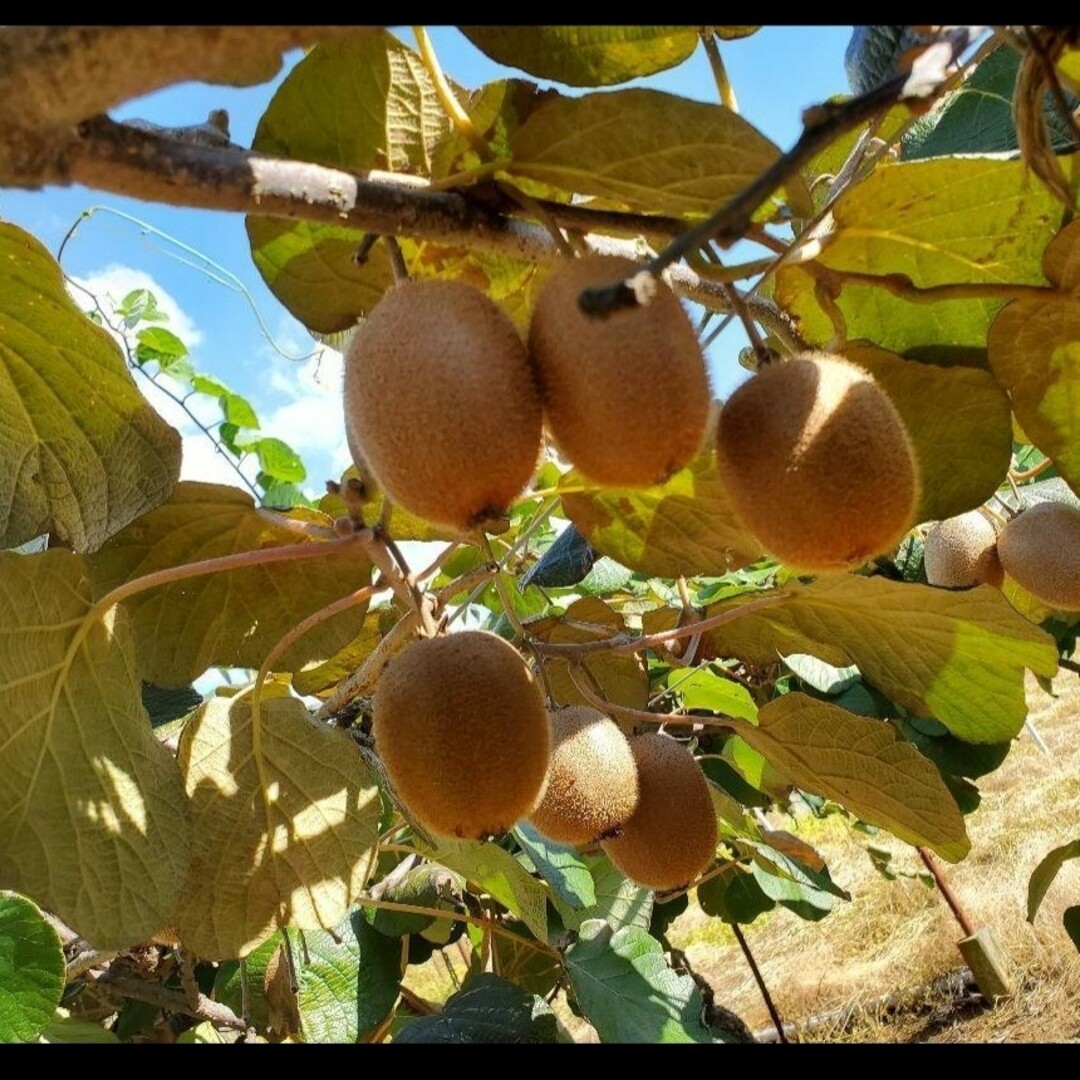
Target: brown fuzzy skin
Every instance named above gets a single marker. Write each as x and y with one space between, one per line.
463 732
671 837
818 463
592 783
1040 550
626 397
440 401
962 551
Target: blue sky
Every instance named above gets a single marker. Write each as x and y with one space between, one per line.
776 73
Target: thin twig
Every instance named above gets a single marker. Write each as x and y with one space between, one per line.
760 982
620 643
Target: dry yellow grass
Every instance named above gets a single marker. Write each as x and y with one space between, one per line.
898 936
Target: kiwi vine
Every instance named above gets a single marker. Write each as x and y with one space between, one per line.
524 760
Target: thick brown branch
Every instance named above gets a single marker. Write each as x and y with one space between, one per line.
203 1008
54 76
147 165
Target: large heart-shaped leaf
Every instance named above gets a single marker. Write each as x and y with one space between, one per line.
234 617
82 452
285 819
93 821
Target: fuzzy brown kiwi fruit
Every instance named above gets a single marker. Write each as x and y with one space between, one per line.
463 732
1040 550
441 403
671 836
818 463
592 783
961 551
626 397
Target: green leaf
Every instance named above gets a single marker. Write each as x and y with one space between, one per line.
92 816
820 676
585 55
622 676
957 656
864 766
651 151
873 55
626 990
520 961
202 1034
428 885
560 866
566 562
977 117
231 618
346 987
684 527
960 426
32 974
161 346
279 460
83 453
285 819
950 754
498 873
940 221
228 985
735 896
1070 919
361 104
619 901
701 688
1042 877
165 705
487 1010
789 880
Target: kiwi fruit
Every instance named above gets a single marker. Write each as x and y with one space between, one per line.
818 463
1040 550
440 402
962 551
626 397
463 733
592 783
671 837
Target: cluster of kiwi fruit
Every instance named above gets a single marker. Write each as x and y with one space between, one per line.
445 406
444 402
470 747
1039 549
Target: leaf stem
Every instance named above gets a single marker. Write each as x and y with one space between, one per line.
458 116
723 83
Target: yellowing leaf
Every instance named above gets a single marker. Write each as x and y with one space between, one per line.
938 221
232 618
93 821
285 818
685 526
960 426
365 103
654 152
82 453
862 764
585 55
622 676
1034 351
955 656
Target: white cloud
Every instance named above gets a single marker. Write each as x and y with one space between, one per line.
113 283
